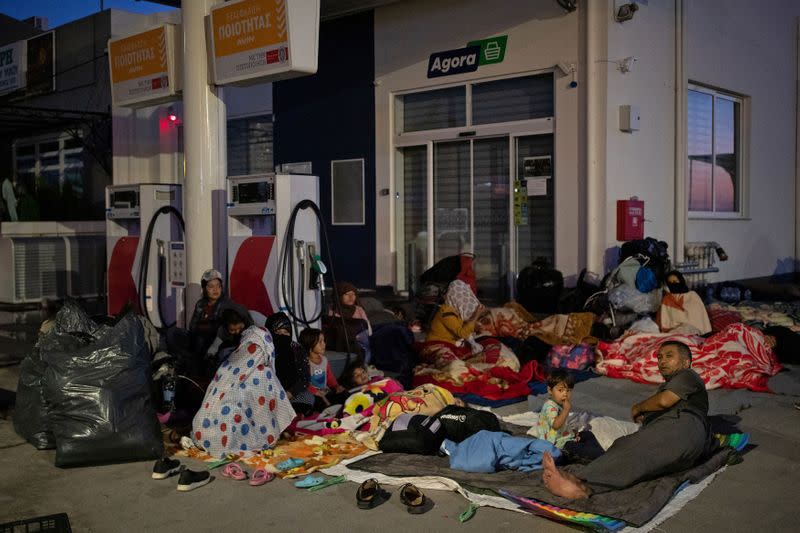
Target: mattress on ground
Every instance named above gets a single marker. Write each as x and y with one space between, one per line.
635 505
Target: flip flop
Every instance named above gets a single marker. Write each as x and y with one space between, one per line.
261 476
234 471
309 481
328 482
290 463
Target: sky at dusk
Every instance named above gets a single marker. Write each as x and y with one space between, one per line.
59 12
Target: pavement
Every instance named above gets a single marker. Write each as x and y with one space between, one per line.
759 494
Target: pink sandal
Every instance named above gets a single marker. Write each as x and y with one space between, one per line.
261 476
234 471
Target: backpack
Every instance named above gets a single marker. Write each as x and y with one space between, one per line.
460 423
653 249
539 287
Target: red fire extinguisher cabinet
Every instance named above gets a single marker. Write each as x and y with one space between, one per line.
630 219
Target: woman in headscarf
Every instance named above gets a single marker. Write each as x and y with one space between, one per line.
452 326
348 307
245 407
291 364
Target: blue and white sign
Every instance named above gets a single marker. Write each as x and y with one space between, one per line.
451 62
12 64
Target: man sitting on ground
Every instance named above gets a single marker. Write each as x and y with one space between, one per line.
674 434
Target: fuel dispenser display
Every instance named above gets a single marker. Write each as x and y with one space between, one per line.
137 217
260 215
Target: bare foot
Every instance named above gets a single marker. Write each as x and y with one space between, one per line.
561 483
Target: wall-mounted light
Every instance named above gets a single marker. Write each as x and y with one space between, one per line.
172 116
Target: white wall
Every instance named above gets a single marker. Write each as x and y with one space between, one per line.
540 34
642 163
751 48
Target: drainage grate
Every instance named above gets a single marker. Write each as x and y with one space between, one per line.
57 523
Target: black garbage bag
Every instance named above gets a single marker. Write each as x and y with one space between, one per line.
99 399
539 287
30 416
72 329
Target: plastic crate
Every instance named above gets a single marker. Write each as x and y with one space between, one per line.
57 523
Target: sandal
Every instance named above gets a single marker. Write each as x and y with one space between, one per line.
290 463
414 499
370 494
261 476
309 481
234 471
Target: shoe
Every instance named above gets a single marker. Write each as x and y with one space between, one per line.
191 480
290 463
370 494
414 499
309 481
234 471
261 476
166 467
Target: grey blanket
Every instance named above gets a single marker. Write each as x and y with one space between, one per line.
636 505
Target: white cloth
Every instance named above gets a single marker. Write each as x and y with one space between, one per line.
10 199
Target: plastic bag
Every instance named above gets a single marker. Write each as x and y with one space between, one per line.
30 416
72 328
100 406
627 298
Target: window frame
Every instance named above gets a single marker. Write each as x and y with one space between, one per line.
363 194
742 147
37 142
247 117
401 138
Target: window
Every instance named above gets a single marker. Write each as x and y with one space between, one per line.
52 176
347 192
441 108
250 145
476 103
714 136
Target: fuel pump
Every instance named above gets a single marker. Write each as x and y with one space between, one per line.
146 260
268 273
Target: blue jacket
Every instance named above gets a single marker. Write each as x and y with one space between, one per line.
488 451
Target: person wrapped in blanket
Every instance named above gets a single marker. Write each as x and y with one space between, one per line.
322 382
245 407
682 310
358 327
675 434
291 363
450 335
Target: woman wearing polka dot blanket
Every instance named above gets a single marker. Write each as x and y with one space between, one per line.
245 407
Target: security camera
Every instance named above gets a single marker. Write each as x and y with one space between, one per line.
625 65
626 11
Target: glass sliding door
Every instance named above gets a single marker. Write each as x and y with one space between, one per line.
490 210
411 214
452 199
534 169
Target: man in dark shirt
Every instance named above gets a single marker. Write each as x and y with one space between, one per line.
674 434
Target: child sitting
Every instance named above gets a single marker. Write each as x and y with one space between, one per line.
322 382
552 424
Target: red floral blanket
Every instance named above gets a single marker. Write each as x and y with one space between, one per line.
736 357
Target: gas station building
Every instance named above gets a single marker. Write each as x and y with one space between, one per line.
437 127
